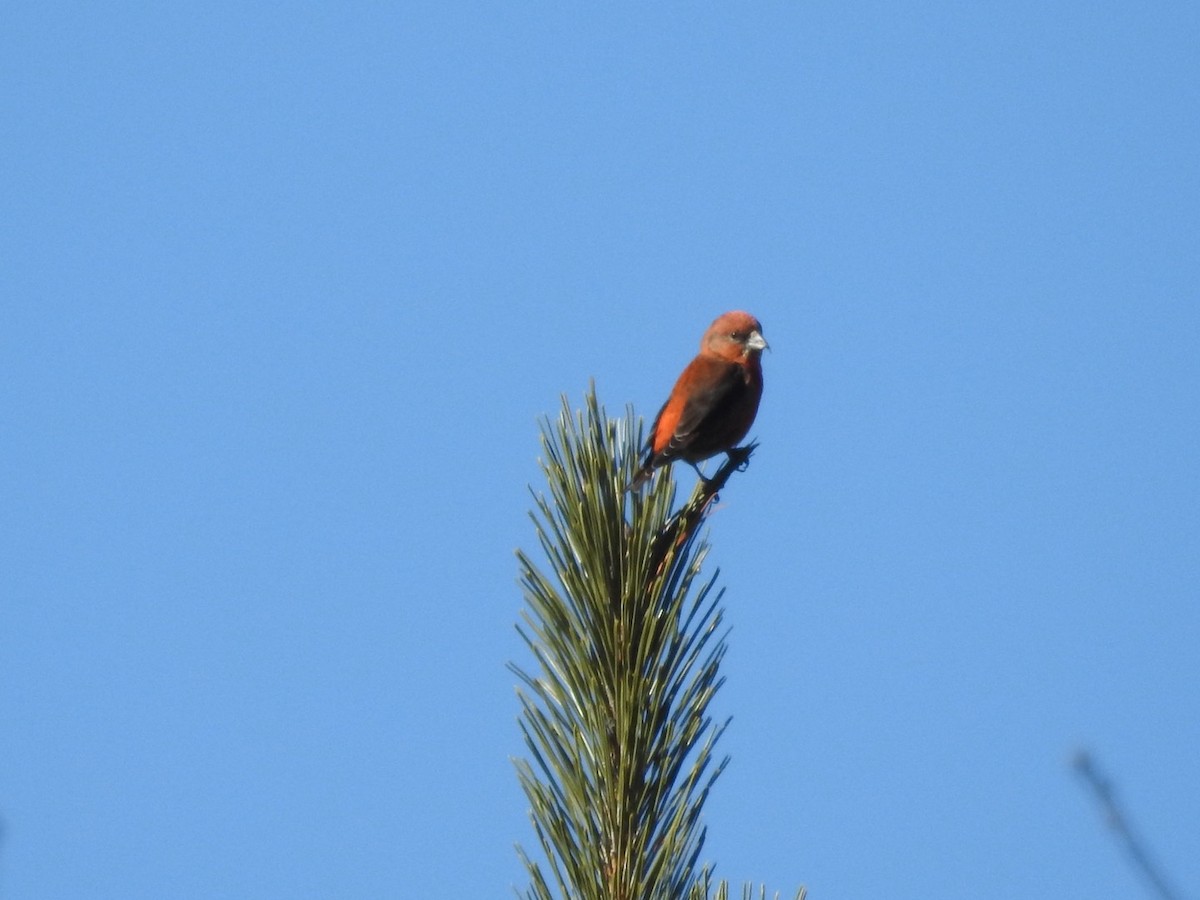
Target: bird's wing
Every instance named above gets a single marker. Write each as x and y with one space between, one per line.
706 386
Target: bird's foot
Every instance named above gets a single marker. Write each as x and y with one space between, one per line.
740 456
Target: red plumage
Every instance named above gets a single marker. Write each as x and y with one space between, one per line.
713 404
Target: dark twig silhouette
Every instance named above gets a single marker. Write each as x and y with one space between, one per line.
1117 821
683 523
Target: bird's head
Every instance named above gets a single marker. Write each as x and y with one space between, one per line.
734 336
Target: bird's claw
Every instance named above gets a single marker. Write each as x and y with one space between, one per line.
740 456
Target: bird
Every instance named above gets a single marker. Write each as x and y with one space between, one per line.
715 400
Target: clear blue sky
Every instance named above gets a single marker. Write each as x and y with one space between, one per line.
286 289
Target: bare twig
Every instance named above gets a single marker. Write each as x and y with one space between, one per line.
1115 817
684 522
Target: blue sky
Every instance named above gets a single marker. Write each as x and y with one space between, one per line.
287 289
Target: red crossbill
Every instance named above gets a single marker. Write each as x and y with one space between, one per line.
714 402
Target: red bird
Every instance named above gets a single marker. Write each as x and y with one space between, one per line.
714 402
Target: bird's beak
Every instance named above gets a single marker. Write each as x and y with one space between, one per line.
756 342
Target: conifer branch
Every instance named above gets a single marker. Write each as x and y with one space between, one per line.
627 642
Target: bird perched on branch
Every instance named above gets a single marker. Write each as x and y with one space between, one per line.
714 402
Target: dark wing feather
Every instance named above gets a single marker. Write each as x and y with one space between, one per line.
718 387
